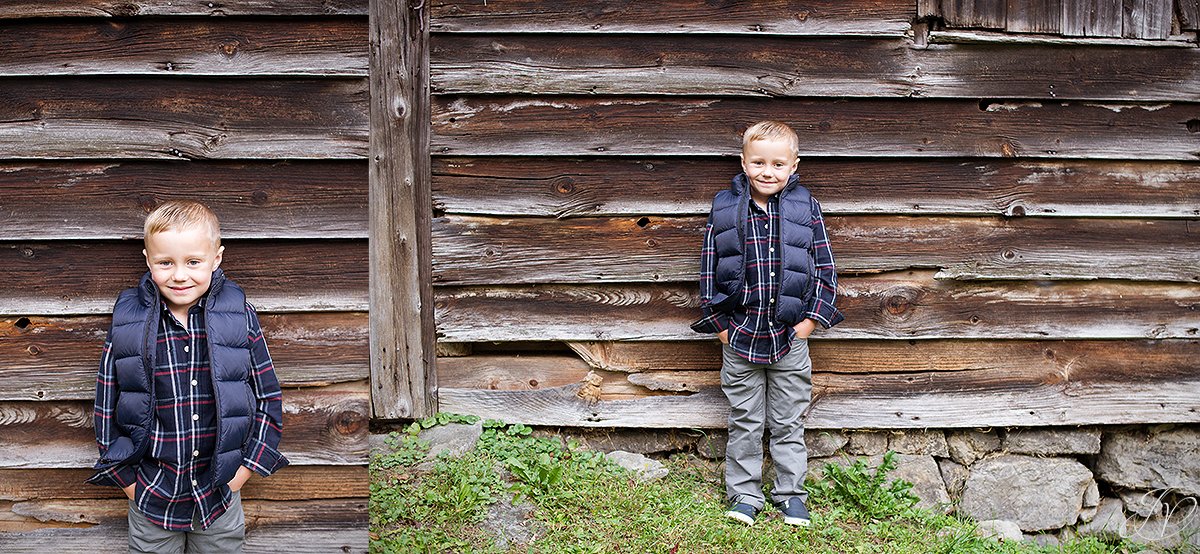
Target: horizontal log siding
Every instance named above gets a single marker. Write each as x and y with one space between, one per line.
261 115
1013 221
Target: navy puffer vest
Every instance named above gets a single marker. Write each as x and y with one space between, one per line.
728 218
134 340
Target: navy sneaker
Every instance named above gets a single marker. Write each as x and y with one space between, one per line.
794 512
742 513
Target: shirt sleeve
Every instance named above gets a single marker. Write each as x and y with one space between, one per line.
261 453
822 309
712 321
119 475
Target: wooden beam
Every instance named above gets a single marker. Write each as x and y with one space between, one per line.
790 67
315 538
127 8
290 483
291 282
187 46
325 426
254 199
173 119
56 358
792 17
579 126
402 332
471 250
910 305
571 187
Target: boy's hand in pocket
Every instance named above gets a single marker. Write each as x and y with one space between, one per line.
723 336
130 490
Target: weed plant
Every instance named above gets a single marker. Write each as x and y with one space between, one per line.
583 503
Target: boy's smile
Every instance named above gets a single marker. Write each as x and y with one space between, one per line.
768 164
181 263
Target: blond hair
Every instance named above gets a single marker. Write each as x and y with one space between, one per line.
183 214
771 130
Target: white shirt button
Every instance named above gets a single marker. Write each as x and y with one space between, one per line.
185 348
194 382
772 274
772 301
194 483
772 249
195 453
197 416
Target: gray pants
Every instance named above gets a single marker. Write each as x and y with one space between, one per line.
771 397
225 535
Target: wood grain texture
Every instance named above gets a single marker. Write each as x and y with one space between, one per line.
909 305
685 186
987 14
325 426
1092 18
540 65
110 200
16 9
56 358
576 126
318 526
1034 16
307 275
821 17
1188 12
1041 405
403 356
166 118
186 46
290 483
539 372
471 250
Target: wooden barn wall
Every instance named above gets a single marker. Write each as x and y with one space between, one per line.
258 108
1015 218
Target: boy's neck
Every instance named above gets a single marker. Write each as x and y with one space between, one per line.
760 200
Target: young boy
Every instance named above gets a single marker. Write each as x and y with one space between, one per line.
187 403
766 281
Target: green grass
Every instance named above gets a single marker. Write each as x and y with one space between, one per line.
585 504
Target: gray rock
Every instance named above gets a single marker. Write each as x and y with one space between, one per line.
1037 493
921 471
1088 513
1143 503
1158 531
823 443
1161 458
954 475
927 443
642 441
999 529
645 468
1051 442
1044 540
511 524
712 445
455 439
967 446
1091 497
1108 524
867 443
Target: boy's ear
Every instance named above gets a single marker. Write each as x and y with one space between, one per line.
217 261
147 256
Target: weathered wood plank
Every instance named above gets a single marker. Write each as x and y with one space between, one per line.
789 67
291 282
1092 18
1188 12
403 356
16 9
536 372
987 14
56 358
319 526
1175 358
326 426
910 306
226 47
575 126
486 251
1034 16
291 483
1147 19
997 38
685 186
109 200
167 118
1039 405
821 17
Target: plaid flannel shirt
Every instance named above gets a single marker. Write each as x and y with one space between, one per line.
754 333
183 430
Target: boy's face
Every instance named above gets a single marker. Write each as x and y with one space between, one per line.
181 263
768 164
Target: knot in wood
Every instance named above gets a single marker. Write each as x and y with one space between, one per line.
27 252
230 48
349 422
147 202
259 197
34 350
898 301
564 185
652 243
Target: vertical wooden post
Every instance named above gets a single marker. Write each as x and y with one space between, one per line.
403 382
